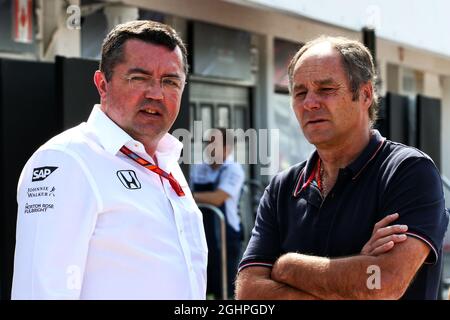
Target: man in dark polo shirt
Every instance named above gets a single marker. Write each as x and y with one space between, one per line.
317 219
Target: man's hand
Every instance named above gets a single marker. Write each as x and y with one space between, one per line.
384 237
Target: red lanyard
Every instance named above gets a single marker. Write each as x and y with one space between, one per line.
173 182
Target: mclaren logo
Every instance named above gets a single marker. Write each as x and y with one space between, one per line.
129 179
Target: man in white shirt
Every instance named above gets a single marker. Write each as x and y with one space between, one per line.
104 209
220 183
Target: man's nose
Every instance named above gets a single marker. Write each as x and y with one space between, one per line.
154 90
311 101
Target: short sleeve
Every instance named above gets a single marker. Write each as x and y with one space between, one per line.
232 179
264 246
57 207
415 192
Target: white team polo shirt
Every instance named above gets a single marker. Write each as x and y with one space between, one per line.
94 224
232 178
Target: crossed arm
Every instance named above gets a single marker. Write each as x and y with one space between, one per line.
298 276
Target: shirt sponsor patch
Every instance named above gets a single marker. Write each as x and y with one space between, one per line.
42 173
38 207
44 191
129 179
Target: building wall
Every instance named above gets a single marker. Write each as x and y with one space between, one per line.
414 22
271 24
392 57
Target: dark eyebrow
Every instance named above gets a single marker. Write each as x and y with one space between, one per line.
325 82
299 87
143 71
138 70
172 75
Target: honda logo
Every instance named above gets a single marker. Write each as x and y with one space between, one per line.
129 179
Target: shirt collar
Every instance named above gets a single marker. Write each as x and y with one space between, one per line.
109 134
112 137
305 174
376 141
229 159
359 164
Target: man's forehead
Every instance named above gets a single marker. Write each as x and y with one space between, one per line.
135 43
136 50
321 62
318 54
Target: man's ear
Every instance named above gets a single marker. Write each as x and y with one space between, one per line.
366 94
100 83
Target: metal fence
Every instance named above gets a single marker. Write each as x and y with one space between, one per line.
223 245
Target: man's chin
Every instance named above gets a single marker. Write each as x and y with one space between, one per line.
149 133
317 139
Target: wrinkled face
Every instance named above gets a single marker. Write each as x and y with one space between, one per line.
144 94
322 100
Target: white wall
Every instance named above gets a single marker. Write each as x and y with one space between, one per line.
242 17
55 37
288 26
432 85
416 23
276 23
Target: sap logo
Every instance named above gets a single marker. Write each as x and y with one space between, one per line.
129 179
42 173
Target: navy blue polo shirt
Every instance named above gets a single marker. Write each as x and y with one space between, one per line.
387 177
